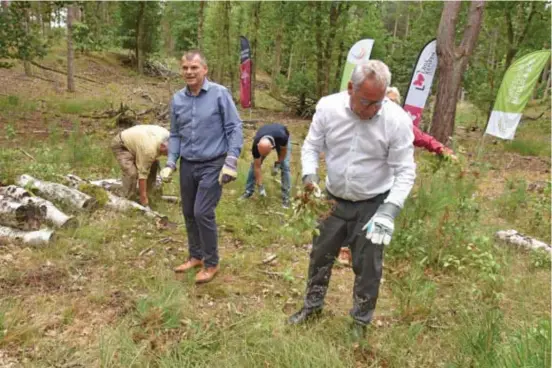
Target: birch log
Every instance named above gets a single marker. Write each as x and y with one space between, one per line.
515 238
115 184
53 215
22 216
117 203
39 237
111 184
59 192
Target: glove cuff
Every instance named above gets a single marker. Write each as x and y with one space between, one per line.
171 165
311 178
231 161
389 209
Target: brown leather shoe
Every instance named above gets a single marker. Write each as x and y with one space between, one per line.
188 265
206 274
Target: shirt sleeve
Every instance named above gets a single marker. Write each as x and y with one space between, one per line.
232 124
426 141
314 142
174 139
401 159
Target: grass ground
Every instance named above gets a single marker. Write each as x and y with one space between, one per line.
104 294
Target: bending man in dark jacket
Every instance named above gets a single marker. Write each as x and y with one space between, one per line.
269 137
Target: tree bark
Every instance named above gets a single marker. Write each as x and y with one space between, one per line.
335 11
58 192
290 63
254 41
40 237
21 216
53 214
317 13
276 64
140 37
117 203
397 15
452 64
26 61
229 53
515 238
70 50
200 24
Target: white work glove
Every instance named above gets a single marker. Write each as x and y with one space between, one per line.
262 191
379 229
166 174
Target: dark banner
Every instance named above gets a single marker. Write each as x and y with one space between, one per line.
245 73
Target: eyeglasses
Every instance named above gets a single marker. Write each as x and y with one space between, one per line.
368 103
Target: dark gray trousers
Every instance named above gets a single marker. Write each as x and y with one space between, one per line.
345 225
200 192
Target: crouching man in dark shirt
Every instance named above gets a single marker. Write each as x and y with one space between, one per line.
269 137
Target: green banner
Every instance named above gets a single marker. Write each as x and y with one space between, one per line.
519 81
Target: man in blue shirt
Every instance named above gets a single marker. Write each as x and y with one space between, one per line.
206 135
269 137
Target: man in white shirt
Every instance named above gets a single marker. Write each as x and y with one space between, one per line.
367 141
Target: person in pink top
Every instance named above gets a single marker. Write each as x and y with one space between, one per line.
422 140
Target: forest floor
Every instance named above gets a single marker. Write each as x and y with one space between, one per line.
104 294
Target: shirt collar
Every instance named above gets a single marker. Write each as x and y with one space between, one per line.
205 86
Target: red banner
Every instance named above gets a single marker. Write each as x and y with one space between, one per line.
245 73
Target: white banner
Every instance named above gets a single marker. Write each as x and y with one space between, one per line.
359 53
420 85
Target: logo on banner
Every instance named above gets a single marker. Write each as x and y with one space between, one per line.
244 76
360 54
419 82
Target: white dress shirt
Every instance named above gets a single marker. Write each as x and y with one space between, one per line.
364 158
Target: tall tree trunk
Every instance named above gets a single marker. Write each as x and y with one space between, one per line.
407 21
256 22
290 63
167 34
26 61
229 54
397 15
452 64
276 63
335 11
70 51
341 57
200 24
547 89
317 11
140 37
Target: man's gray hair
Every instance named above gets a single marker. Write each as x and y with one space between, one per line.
190 55
373 69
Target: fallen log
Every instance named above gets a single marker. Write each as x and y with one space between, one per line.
114 184
22 216
53 215
62 72
515 238
39 237
59 192
119 204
